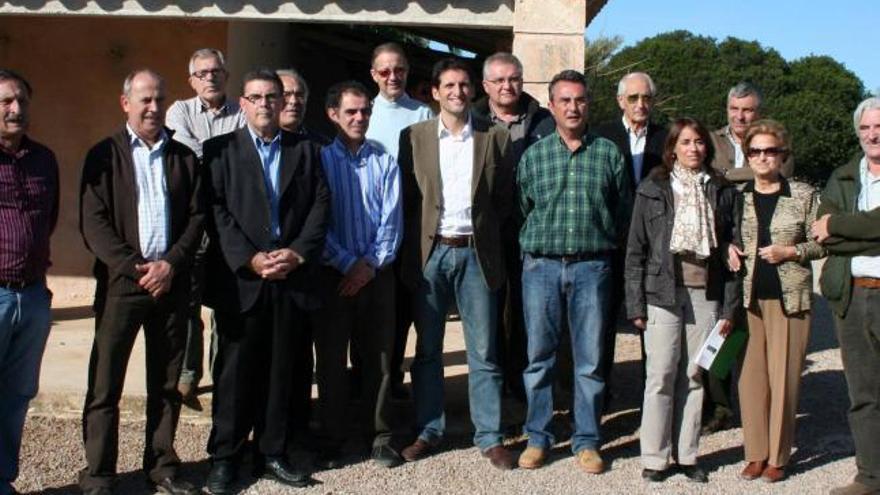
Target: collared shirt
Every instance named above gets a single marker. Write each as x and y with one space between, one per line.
740 160
869 198
391 117
367 219
152 195
517 130
194 123
270 158
573 202
28 210
456 173
637 140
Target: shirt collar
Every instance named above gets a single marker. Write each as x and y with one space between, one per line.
258 141
442 131
385 102
136 141
224 108
341 148
23 148
629 130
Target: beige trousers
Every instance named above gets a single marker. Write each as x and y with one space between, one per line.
770 381
673 401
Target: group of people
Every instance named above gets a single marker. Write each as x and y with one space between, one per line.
534 225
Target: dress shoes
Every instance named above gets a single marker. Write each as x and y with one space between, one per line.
500 457
221 477
533 458
418 450
386 456
720 421
753 470
695 473
173 486
854 488
772 474
279 470
655 475
189 396
329 458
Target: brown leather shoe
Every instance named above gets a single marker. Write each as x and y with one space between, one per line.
772 474
753 470
418 450
590 461
532 458
500 457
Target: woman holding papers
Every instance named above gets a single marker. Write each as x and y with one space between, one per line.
773 217
677 288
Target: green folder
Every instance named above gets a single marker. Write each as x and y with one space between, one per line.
729 352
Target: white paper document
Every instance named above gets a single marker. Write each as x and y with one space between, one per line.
710 348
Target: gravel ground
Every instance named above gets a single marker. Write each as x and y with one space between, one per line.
52 452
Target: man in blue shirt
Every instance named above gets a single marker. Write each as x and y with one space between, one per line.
356 281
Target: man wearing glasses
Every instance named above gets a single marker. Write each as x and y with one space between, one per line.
194 121
270 208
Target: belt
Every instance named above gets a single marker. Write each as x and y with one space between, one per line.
10 285
575 257
458 241
866 282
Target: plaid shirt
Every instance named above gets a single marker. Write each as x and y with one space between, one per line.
573 202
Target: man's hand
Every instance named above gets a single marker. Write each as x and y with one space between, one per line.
734 253
726 327
640 323
156 277
275 265
775 254
356 278
820 228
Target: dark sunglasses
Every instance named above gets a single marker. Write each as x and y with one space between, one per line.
770 152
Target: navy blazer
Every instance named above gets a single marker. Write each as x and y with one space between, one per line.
654 143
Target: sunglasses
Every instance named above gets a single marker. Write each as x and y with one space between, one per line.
400 72
635 98
770 152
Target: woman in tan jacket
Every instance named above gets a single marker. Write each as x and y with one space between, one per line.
773 218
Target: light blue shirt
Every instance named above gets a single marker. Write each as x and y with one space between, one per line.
391 117
367 219
270 157
869 198
152 195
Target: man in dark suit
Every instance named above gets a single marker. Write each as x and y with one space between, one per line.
457 186
640 141
141 215
270 209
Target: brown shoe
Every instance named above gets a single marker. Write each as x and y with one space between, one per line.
500 457
854 488
753 470
772 474
189 396
590 461
418 450
532 458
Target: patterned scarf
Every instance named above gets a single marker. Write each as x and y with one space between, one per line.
693 228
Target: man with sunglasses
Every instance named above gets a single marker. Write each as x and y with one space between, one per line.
194 121
270 207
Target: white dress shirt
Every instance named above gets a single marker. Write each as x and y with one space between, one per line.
152 195
869 198
740 160
456 172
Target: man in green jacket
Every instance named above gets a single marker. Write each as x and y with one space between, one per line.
849 226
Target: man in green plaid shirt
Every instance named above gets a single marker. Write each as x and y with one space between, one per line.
576 198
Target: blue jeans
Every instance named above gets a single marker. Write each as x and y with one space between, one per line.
24 328
455 273
576 293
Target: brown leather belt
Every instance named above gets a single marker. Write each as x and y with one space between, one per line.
458 241
866 282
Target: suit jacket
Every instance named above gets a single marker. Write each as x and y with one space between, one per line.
654 142
108 214
240 225
725 160
491 196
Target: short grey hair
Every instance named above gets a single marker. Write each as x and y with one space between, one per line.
501 58
871 103
205 53
296 76
126 85
744 89
621 86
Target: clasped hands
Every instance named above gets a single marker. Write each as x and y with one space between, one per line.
275 265
156 277
356 278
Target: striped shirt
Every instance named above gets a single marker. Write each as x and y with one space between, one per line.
28 211
367 220
194 123
573 202
152 195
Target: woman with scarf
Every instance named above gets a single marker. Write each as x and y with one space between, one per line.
677 288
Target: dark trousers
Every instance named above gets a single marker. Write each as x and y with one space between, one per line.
403 320
511 338
367 321
191 372
258 352
609 331
717 401
116 326
859 336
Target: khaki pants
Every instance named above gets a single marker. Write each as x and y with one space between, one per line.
770 381
673 389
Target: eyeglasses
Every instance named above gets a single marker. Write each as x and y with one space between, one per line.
635 98
270 98
203 74
400 72
770 152
510 80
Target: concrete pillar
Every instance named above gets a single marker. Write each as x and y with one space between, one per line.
548 36
252 44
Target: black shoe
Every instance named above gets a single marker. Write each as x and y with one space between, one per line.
385 456
221 477
173 486
720 421
695 473
329 458
279 470
654 475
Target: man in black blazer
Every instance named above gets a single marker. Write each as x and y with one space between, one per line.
270 209
641 143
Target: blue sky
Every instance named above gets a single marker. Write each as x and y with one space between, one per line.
845 30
